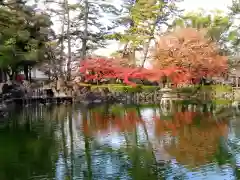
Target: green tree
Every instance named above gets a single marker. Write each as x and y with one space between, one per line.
85 30
95 20
143 18
24 35
234 35
216 23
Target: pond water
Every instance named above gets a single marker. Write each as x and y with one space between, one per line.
112 142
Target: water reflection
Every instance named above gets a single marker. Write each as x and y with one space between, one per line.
118 142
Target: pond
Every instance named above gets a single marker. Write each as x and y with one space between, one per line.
112 142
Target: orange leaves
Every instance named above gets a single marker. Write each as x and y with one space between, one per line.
189 49
182 55
197 145
196 142
181 119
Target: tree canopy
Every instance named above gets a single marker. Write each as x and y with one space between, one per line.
24 34
27 33
189 49
216 23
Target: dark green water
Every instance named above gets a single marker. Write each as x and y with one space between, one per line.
116 142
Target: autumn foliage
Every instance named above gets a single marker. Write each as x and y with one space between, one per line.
197 144
182 56
106 123
189 49
182 119
197 134
104 68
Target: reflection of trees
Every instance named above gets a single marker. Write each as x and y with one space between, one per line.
63 148
195 138
87 146
125 121
28 148
115 121
198 137
63 115
32 142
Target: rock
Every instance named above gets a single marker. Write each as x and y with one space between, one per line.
3 106
13 91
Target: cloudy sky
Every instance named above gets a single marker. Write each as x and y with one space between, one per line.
187 5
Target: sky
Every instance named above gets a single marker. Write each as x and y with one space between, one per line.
187 5
190 5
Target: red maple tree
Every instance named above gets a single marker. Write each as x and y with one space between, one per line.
189 48
105 68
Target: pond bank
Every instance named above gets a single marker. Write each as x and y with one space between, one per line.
128 95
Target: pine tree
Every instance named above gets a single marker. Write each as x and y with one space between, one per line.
25 35
84 29
90 27
143 19
234 36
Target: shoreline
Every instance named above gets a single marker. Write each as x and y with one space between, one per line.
91 97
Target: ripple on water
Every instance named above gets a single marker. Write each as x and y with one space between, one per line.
128 143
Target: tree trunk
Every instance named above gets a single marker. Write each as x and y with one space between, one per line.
132 56
30 74
25 69
3 76
85 33
69 42
149 40
62 47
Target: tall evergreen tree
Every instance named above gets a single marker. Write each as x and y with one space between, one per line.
234 36
85 28
142 20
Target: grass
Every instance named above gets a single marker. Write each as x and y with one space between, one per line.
123 88
222 88
222 102
216 88
219 89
